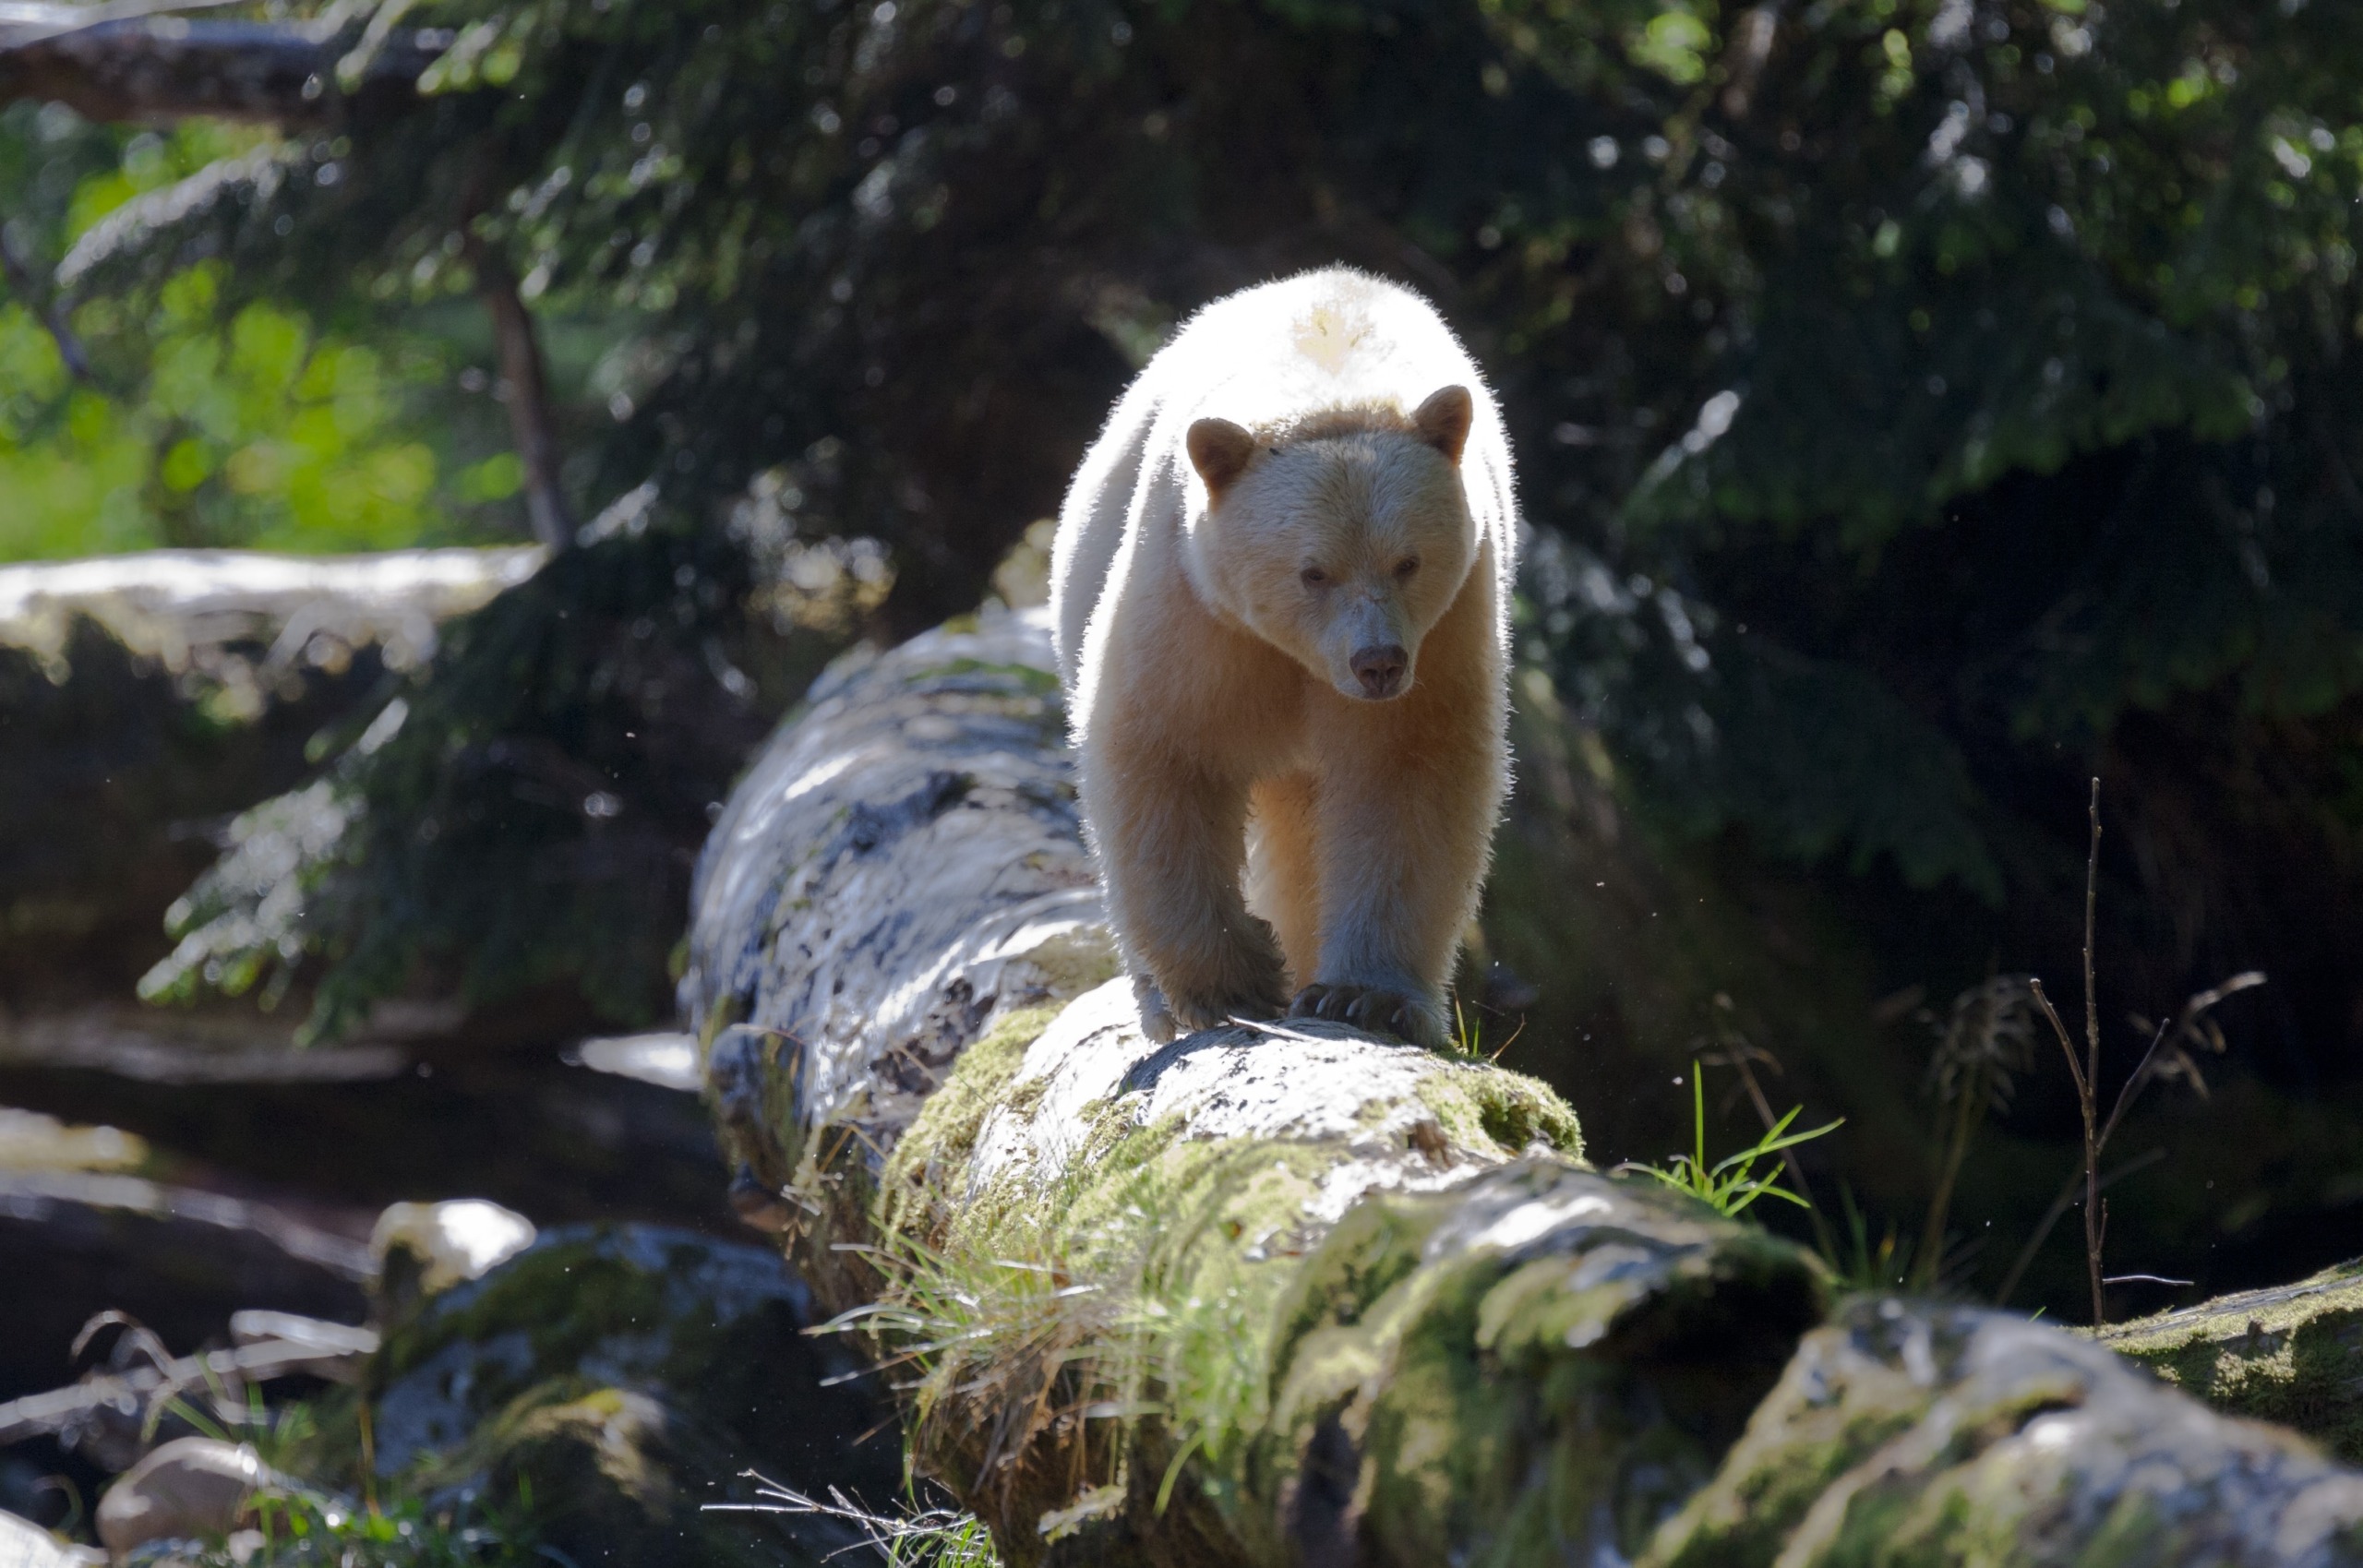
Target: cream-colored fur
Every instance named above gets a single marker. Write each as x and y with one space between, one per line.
1301 506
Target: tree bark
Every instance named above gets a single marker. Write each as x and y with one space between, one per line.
1292 1294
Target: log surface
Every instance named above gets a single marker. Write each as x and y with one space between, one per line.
1290 1294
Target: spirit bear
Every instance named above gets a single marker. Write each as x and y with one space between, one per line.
1280 597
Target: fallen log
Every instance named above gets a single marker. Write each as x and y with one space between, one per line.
2291 1354
1294 1293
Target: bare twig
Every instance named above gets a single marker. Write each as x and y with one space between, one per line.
2087 1074
2183 1022
308 1348
2060 1206
1751 46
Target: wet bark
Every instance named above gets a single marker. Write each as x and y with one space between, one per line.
1298 1294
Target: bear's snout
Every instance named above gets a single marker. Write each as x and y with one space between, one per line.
1380 670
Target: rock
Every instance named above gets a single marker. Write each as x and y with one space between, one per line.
24 1544
423 1247
627 1374
189 1487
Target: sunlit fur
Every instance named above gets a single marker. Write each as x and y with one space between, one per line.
1212 688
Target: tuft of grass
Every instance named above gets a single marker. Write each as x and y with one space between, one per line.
1731 1184
1982 1049
1876 1267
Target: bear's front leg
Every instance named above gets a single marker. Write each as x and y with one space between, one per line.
1410 790
1172 843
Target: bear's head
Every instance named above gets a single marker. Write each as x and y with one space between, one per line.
1342 544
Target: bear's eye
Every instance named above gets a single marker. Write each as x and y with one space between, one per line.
1407 566
1313 576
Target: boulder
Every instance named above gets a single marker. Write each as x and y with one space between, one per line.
621 1376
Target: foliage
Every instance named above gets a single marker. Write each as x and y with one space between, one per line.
194 423
294 1523
1982 1048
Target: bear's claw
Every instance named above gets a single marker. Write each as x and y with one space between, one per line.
1165 1018
1376 1007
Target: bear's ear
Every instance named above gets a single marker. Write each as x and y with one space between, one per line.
1219 451
1443 421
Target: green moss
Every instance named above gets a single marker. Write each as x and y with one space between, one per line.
1512 1408
1513 1112
1029 679
618 1377
943 1137
2292 1355
1157 1327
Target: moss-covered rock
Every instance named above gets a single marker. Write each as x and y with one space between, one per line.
2292 1354
612 1379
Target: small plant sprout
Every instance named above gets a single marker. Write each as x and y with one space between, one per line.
2169 1056
1468 1034
1731 1184
1742 1055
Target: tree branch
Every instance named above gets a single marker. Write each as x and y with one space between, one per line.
532 430
161 69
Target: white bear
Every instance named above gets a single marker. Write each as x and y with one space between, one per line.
1280 595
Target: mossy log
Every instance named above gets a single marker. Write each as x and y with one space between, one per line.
1283 1294
2292 1354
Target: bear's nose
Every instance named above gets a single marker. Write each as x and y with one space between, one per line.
1380 670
